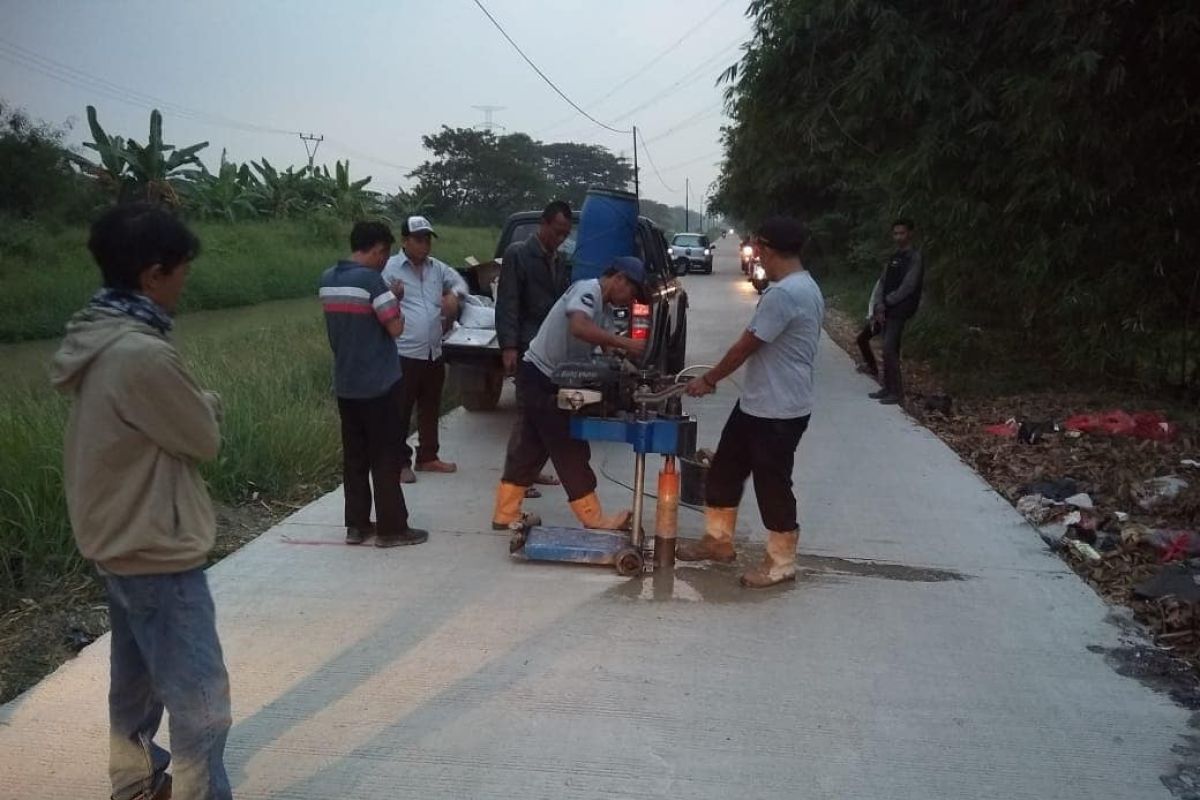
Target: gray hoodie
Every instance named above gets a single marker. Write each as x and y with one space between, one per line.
139 426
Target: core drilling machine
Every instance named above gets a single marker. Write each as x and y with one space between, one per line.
613 401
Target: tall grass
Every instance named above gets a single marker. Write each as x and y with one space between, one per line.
47 273
280 438
270 363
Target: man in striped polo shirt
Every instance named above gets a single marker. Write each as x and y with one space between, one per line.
362 319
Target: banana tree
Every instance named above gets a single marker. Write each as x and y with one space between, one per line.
228 195
280 194
346 198
132 171
112 173
417 201
155 164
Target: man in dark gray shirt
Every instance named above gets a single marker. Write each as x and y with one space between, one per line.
533 276
894 301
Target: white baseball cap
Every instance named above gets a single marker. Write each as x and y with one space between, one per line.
416 224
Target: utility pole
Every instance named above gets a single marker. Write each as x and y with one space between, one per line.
636 190
312 152
488 111
687 214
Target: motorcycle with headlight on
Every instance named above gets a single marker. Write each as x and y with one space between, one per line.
747 258
758 276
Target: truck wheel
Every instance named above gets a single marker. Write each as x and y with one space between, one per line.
483 394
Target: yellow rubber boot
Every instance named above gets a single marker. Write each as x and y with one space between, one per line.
508 508
778 565
587 510
717 542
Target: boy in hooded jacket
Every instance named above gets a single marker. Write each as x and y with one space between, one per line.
139 428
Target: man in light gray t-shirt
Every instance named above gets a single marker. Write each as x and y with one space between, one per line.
779 375
779 348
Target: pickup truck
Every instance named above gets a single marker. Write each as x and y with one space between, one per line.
473 355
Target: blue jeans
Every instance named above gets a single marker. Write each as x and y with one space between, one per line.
165 653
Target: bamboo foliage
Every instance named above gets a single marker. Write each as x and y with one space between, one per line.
1049 151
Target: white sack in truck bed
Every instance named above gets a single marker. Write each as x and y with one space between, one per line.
476 313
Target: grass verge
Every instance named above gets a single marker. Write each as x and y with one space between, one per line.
48 274
281 448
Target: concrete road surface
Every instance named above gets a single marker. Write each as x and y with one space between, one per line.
932 648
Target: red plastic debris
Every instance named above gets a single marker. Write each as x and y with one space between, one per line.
1007 430
1142 425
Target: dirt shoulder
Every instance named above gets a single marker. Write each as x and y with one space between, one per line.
1127 544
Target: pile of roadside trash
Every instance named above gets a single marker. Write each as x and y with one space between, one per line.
1148 425
1153 568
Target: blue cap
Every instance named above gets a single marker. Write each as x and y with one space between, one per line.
633 269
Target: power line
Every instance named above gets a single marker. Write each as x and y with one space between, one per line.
691 77
691 161
699 116
638 73
64 73
350 151
650 158
541 74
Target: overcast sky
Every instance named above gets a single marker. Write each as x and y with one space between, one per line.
372 77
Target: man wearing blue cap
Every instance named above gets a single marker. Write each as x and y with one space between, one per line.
576 325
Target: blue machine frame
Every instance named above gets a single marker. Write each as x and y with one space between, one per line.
666 436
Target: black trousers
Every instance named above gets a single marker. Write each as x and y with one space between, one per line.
893 332
371 440
542 431
422 386
765 449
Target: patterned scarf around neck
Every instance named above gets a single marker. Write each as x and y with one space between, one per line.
134 305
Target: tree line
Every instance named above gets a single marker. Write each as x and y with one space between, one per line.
472 177
1049 152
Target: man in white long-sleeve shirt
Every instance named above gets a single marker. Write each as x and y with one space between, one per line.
431 291
894 300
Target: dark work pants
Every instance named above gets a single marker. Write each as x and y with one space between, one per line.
422 390
765 449
543 430
893 332
371 441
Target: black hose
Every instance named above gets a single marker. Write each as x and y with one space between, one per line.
652 495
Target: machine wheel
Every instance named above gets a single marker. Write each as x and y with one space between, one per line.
628 562
483 393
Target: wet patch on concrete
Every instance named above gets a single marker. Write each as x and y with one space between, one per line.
719 583
1166 674
878 569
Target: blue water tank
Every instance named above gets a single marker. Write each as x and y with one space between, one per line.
607 229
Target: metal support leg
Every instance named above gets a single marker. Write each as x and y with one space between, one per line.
639 497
